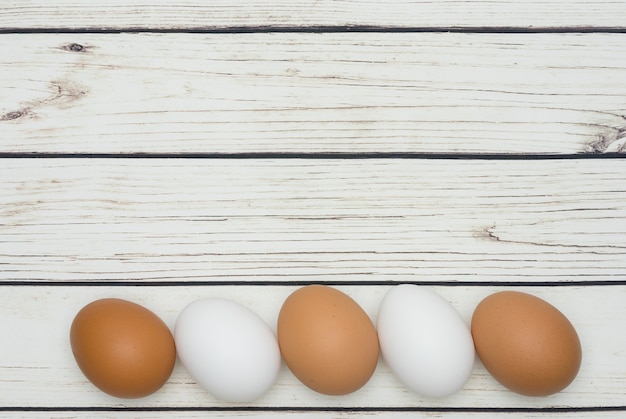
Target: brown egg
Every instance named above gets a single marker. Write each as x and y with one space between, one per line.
328 342
525 343
123 348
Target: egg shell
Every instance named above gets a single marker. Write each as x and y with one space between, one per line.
525 343
328 342
123 348
229 350
424 341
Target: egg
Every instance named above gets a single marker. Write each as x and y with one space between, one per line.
228 349
424 341
123 348
327 340
525 343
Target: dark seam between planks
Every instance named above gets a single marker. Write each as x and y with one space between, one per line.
323 29
313 409
289 283
315 156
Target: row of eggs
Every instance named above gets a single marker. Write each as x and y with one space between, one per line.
329 343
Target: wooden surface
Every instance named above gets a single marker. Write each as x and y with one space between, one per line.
227 15
165 152
314 92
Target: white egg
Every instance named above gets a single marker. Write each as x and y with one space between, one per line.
230 351
425 341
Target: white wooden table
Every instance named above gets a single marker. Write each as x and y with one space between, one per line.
166 151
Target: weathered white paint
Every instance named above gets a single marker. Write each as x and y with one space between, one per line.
37 368
367 92
333 220
122 14
89 221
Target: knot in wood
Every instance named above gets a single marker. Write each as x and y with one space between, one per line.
74 47
12 115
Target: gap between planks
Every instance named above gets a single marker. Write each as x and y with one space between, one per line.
313 156
268 29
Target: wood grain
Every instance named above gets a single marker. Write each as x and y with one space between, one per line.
41 315
220 14
516 110
364 92
312 220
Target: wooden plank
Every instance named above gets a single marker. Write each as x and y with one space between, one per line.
312 220
39 317
194 14
365 92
